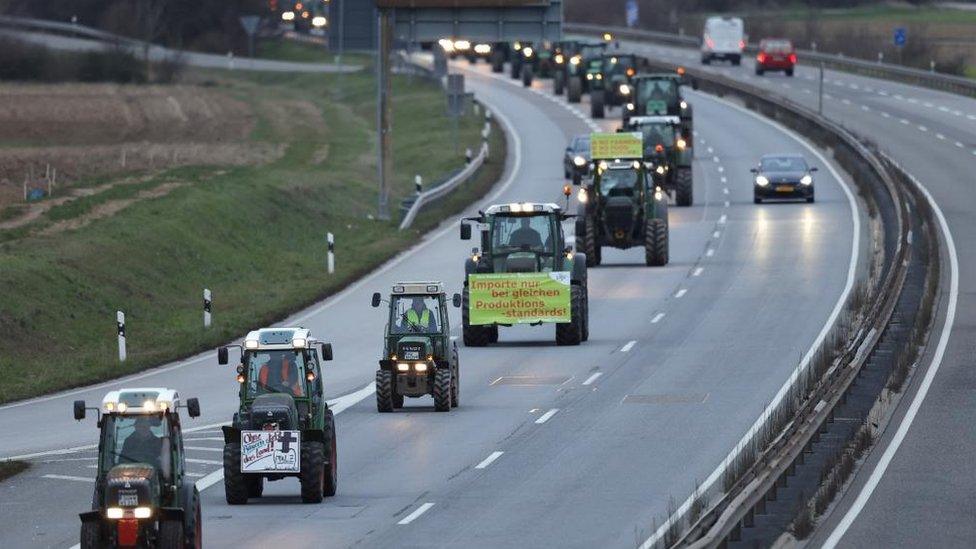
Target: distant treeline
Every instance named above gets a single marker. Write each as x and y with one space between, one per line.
28 62
203 25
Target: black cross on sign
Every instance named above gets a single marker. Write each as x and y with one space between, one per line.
286 438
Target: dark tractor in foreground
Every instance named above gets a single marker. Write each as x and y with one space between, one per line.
523 238
670 153
142 497
283 426
419 357
621 207
661 95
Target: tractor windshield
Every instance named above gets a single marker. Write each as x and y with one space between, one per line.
522 233
275 371
415 314
620 183
591 51
657 95
621 65
132 439
657 134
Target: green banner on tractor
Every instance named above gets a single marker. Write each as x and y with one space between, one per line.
519 298
604 146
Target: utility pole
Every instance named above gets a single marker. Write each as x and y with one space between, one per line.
384 111
340 9
820 94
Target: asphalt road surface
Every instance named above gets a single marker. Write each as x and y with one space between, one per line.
551 446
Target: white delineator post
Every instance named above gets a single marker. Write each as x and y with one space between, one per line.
418 184
207 307
331 253
120 322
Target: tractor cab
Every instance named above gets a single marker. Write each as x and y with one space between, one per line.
668 147
142 494
660 94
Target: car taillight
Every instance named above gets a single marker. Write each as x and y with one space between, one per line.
793 58
710 43
761 57
742 44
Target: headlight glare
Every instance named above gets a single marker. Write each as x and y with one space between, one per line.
579 161
420 367
403 367
142 512
806 180
114 512
761 180
581 196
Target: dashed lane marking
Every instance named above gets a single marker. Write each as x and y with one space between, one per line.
546 416
628 346
69 477
698 271
488 460
681 293
657 318
416 514
592 378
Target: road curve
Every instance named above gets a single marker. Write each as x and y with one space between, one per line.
552 446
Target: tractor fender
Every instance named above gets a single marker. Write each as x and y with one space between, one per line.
442 364
174 513
386 364
232 435
581 224
684 158
313 435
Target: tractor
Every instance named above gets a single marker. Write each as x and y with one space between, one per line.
587 56
660 94
671 153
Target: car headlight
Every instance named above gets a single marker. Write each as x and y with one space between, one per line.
579 161
581 196
114 512
761 180
624 89
684 104
403 367
630 106
806 180
142 512
420 367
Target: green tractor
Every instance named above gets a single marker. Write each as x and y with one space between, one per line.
419 357
669 148
524 62
620 206
283 427
524 273
660 94
619 71
142 497
587 60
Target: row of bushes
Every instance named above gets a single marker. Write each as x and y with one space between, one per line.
22 61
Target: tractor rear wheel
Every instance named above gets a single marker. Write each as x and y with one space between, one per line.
683 187
558 82
332 466
312 474
442 389
384 391
597 99
255 486
527 75
170 534
515 69
574 89
91 536
235 485
571 333
586 313
497 61
474 336
656 243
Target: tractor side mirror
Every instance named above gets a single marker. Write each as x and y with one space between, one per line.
376 299
465 231
456 300
193 407
222 356
753 170
326 352
79 408
814 168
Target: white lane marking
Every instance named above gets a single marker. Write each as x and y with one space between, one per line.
889 453
854 86
882 92
715 159
971 116
923 129
657 318
709 252
939 136
912 100
903 121
721 169
959 144
929 105
193 475
416 514
723 179
807 91
943 108
957 113
722 219
698 271
725 190
710 151
727 203
546 416
628 346
488 460
805 361
899 97
681 293
592 378
845 101
192 439
865 108
886 115
204 461
716 234
69 477
203 449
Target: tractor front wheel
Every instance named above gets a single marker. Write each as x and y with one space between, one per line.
558 82
475 336
683 187
170 534
442 389
656 243
597 99
574 89
497 61
384 391
255 486
235 485
312 475
91 536
527 75
332 467
571 333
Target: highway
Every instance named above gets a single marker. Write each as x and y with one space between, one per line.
552 446
921 494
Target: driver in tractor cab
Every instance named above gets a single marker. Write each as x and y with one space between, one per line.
143 446
525 235
280 376
419 315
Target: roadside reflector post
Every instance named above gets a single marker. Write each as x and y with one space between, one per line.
467 155
207 307
418 184
484 139
880 57
487 115
120 324
932 65
331 260
477 109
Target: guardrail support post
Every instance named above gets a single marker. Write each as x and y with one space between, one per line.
207 307
418 184
331 258
120 325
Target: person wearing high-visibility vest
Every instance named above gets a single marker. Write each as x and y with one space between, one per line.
419 318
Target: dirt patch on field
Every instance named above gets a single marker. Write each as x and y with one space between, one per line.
111 208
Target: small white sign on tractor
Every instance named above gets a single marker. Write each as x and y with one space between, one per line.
271 451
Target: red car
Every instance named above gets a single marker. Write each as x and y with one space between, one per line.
775 54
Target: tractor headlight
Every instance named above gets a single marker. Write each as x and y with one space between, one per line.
482 49
527 51
462 45
250 344
658 194
624 89
630 106
114 512
589 76
761 180
581 196
579 161
681 143
684 104
603 165
420 367
142 512
806 180
299 343
599 77
447 44
560 59
575 60
403 367
660 170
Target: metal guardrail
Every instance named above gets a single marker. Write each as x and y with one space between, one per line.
944 82
71 29
733 507
446 187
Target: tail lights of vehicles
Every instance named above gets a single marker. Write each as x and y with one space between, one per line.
793 58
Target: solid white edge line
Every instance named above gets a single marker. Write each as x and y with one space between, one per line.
69 477
628 346
923 389
488 460
413 516
592 378
546 416
838 308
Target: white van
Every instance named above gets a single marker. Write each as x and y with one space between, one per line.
723 38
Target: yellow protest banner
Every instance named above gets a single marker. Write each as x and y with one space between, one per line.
605 146
519 298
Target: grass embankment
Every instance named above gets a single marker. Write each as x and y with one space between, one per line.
11 468
254 235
